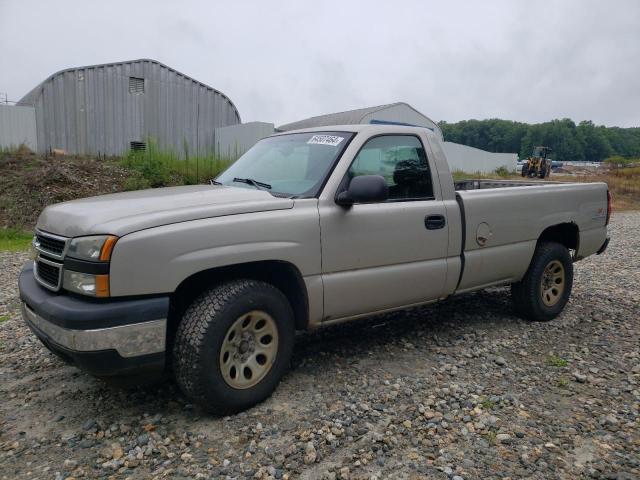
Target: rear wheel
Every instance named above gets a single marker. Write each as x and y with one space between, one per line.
233 345
546 287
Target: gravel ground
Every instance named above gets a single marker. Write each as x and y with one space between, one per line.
461 389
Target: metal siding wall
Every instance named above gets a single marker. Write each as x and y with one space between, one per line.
18 126
59 113
40 124
69 114
472 160
81 112
234 140
90 110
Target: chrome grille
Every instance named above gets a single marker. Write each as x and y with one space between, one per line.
49 244
48 273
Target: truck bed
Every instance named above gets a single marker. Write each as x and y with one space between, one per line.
501 224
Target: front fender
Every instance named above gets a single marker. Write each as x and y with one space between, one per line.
158 259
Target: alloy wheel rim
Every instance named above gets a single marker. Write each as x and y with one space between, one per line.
249 349
553 283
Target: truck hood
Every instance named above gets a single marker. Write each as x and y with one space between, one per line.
122 213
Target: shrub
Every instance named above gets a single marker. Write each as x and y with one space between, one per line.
158 167
502 172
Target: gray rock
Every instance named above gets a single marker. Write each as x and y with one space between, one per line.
89 424
579 377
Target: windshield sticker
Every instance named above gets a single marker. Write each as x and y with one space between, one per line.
331 140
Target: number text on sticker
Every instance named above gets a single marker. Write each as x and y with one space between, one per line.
331 140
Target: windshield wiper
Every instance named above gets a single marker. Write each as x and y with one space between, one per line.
254 183
214 182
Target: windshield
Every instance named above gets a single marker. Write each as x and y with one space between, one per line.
539 152
291 165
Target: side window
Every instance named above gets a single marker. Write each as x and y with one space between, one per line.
401 160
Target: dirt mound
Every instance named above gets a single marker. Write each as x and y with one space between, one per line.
29 182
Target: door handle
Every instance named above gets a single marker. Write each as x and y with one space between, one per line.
434 222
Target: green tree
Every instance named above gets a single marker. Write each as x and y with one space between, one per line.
585 141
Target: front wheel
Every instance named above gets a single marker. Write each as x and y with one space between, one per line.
233 345
543 172
545 289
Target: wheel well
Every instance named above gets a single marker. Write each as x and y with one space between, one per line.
282 275
566 234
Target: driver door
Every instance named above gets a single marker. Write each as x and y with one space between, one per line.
381 256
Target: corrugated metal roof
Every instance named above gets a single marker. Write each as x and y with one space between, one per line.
107 108
32 96
348 117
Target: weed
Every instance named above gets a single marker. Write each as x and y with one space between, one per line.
488 404
623 183
501 173
4 318
160 167
555 361
490 436
504 172
563 382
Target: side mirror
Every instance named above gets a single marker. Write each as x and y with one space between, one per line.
364 189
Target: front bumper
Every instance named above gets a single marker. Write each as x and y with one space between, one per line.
112 337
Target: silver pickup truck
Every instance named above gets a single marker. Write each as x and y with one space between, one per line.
307 229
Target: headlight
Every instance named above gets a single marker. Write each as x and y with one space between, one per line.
86 283
95 248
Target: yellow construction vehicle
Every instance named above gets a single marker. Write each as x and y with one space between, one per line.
537 165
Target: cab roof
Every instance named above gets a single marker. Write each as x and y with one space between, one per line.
372 129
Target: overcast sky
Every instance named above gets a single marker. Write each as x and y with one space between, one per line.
281 61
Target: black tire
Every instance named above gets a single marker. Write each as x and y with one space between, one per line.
527 296
525 170
543 172
200 336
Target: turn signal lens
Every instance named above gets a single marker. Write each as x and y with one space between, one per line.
107 248
102 285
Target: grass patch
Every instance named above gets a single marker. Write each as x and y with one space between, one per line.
14 240
624 185
488 404
4 318
500 174
563 382
490 436
157 167
555 361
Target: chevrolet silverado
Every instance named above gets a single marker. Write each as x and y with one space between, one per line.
306 229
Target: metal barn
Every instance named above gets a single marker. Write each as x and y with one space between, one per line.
111 108
399 112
